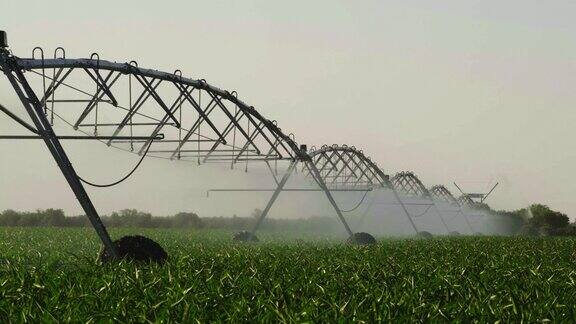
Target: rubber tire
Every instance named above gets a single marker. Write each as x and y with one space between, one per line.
424 235
361 238
136 248
245 236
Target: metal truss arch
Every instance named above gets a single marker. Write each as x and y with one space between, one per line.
143 108
442 193
465 200
408 183
167 115
342 166
164 109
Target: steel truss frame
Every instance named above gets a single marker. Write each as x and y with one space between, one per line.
167 113
442 193
315 174
342 166
465 200
408 183
239 133
34 108
244 135
333 168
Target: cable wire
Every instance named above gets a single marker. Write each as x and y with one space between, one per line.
424 213
359 203
124 178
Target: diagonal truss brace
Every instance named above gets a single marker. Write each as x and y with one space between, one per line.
313 170
35 110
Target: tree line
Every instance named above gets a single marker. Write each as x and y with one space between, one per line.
536 219
136 218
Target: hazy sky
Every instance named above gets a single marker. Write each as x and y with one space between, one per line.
466 91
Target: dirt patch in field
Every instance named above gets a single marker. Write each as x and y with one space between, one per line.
136 248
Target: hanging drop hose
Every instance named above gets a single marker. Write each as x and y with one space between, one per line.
358 205
424 213
124 178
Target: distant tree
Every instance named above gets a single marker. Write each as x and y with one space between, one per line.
9 218
134 218
52 217
187 220
541 220
512 222
113 220
29 219
543 216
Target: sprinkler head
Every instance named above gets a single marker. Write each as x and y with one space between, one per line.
3 39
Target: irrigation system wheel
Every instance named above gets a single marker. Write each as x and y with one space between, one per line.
245 236
424 235
136 248
361 238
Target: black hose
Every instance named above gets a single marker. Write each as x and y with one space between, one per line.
424 213
124 178
358 205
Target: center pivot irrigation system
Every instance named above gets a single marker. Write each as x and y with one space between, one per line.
166 115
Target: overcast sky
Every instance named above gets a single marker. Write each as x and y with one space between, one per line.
467 91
